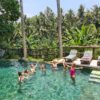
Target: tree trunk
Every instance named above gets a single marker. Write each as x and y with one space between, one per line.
59 28
23 30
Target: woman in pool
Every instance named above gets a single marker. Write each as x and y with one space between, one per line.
72 72
26 73
55 62
32 68
20 77
54 65
42 67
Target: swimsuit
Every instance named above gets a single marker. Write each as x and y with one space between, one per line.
72 72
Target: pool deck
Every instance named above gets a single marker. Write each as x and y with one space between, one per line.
92 65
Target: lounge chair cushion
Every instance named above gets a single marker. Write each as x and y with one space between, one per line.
72 55
73 52
87 57
99 58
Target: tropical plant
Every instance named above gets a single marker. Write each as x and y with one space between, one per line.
8 14
86 36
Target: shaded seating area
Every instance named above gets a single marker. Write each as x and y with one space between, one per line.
87 60
87 57
98 61
72 55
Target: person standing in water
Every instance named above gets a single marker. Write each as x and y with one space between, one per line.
54 65
20 77
32 66
43 68
72 73
65 66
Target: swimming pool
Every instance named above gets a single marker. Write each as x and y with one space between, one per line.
55 85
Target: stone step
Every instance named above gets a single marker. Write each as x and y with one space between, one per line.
94 80
95 73
95 76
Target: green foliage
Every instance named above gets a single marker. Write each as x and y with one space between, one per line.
86 36
96 15
81 11
41 30
80 28
11 54
29 58
9 12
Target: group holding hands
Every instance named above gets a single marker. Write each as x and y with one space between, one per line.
26 73
54 63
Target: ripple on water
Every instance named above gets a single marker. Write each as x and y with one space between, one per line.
52 86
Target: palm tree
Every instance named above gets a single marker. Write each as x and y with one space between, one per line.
81 13
59 27
23 30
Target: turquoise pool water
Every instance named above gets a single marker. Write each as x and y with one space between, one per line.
52 86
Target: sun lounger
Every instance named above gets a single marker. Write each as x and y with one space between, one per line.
72 56
98 61
87 57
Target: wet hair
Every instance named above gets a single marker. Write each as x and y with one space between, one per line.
32 65
19 73
43 65
73 65
55 60
26 71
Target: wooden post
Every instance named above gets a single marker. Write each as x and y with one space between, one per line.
94 53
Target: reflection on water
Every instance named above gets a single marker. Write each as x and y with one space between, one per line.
20 88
